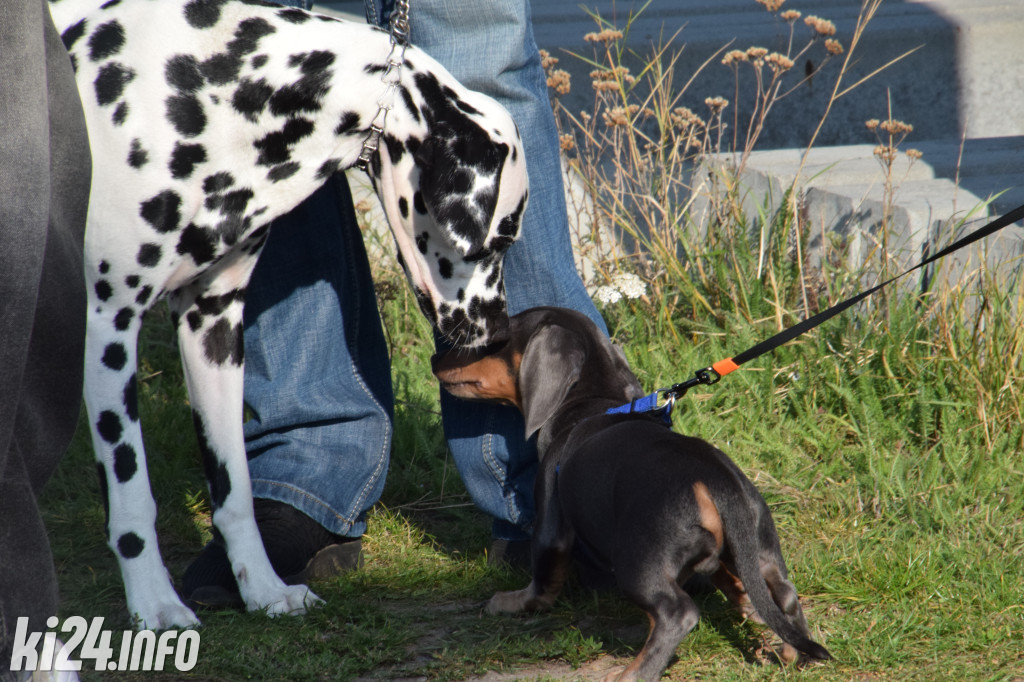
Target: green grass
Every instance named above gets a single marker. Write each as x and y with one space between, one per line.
887 442
900 514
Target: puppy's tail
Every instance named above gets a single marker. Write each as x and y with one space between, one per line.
743 543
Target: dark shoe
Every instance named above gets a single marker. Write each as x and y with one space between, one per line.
331 561
208 583
214 598
299 550
511 553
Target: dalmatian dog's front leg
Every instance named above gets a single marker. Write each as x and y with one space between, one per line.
211 345
112 404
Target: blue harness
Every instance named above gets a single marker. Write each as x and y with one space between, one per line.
657 404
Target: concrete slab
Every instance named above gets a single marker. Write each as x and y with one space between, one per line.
846 202
962 90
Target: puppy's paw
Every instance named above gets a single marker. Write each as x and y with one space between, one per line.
617 674
788 653
514 602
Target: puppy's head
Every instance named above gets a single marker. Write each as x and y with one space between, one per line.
452 179
552 356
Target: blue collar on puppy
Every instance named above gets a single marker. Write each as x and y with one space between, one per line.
656 404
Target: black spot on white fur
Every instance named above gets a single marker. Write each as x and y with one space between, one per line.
223 343
130 545
106 41
149 255
283 171
200 243
120 114
123 319
250 97
304 95
137 157
125 464
162 212
213 466
224 67
328 168
444 268
111 81
203 13
103 290
130 398
275 147
218 182
293 15
143 296
185 113
183 74
115 356
109 426
185 158
72 34
349 122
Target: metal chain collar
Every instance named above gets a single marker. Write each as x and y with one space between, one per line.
399 30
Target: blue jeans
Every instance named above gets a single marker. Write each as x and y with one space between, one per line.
488 45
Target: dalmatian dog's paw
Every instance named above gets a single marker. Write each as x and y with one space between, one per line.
289 600
152 601
162 614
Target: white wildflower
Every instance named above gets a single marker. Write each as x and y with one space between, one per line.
622 284
630 285
608 294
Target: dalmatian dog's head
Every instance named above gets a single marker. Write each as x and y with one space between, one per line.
454 194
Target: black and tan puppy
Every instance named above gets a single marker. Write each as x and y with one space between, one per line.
654 507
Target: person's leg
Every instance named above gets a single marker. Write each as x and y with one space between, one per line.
317 372
44 182
489 46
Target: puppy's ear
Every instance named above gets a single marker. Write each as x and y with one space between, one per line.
550 366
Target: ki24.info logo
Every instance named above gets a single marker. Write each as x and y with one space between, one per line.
84 641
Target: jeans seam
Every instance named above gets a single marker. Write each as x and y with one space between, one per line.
382 458
499 474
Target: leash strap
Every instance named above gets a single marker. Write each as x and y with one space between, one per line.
714 373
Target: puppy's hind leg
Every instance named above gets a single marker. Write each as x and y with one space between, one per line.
672 613
210 339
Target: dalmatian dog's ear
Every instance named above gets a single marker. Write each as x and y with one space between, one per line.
459 198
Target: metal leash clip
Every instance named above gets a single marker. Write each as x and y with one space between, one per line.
707 377
390 77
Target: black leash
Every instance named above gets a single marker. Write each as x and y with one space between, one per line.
662 400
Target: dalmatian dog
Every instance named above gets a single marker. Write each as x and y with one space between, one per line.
208 119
